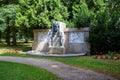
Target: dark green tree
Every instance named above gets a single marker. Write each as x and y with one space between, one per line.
7 21
39 14
82 14
105 30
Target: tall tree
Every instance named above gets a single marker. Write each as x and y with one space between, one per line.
81 14
105 29
7 19
40 14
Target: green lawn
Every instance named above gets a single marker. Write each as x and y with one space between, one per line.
88 62
109 67
15 71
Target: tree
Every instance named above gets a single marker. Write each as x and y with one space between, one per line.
39 14
7 20
82 14
105 30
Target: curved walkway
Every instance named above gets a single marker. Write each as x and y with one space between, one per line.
65 72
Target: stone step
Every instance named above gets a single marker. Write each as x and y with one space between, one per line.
56 50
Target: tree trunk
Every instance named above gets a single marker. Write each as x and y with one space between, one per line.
14 37
8 36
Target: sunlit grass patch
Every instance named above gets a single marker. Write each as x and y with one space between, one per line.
15 71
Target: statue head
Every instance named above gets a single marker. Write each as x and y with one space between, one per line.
55 26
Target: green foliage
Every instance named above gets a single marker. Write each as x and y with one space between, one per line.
7 16
105 30
40 14
70 24
81 14
111 53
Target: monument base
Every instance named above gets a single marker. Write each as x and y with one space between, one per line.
46 54
56 50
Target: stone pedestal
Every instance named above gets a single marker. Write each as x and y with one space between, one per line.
56 50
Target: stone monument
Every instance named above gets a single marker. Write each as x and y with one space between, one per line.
61 40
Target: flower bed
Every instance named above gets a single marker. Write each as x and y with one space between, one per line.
10 51
107 56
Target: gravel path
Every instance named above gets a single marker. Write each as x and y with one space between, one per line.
65 72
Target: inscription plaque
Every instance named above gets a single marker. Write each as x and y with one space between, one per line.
42 36
76 37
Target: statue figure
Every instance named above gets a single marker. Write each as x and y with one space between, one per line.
55 29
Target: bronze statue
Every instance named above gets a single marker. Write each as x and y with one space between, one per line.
55 29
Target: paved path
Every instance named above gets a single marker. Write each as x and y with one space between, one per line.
65 72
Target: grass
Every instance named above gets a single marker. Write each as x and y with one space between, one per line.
15 71
99 65
20 46
109 67
87 62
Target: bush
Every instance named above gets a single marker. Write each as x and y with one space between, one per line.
104 35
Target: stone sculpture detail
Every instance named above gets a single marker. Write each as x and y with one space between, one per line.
55 29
